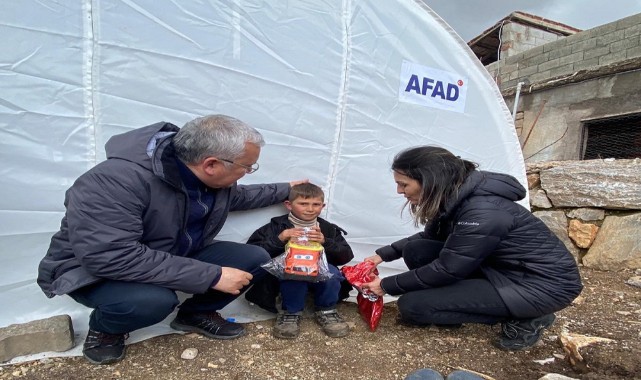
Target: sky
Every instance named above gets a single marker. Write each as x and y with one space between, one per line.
469 18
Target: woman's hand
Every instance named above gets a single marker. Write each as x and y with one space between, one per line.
374 287
376 259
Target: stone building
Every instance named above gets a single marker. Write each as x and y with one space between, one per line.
576 100
577 93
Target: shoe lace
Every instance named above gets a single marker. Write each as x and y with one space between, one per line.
328 317
100 339
511 329
288 318
213 321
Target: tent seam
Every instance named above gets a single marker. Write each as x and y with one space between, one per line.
342 104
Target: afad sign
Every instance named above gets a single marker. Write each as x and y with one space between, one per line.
431 87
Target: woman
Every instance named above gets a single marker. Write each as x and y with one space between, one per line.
482 258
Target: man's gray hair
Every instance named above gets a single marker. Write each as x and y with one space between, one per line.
219 136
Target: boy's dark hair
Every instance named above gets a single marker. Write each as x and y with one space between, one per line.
306 190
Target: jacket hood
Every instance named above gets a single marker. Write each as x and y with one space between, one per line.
482 183
502 185
139 144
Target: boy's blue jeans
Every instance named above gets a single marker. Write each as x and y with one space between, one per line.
325 292
121 307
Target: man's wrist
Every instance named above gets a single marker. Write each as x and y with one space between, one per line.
216 279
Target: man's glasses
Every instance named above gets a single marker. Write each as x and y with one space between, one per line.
248 169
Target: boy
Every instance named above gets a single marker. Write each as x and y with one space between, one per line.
305 203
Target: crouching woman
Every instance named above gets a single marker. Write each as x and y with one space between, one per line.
482 257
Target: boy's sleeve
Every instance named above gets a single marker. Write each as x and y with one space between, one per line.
337 250
267 237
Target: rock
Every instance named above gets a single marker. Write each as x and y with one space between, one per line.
587 214
579 300
533 181
556 376
617 245
540 199
189 354
634 281
49 334
594 183
582 234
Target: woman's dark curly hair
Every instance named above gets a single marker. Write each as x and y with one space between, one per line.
440 174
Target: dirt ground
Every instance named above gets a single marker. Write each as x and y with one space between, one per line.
608 308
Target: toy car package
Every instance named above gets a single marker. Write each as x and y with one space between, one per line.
301 261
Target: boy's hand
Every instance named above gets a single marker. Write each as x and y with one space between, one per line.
316 235
290 233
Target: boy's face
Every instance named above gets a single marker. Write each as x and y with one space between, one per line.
306 209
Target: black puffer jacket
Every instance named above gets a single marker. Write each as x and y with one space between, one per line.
484 229
338 252
125 217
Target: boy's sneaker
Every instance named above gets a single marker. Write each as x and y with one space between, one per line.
103 348
524 333
333 324
211 325
287 325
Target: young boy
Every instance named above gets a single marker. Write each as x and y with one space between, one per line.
305 203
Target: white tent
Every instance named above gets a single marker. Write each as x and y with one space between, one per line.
336 87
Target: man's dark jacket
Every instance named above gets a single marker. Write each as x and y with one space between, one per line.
484 230
124 218
338 252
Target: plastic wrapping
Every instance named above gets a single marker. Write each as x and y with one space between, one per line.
301 261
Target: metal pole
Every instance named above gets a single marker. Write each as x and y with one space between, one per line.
516 99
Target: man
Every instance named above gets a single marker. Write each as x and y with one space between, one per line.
141 225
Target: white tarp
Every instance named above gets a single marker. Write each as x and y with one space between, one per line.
336 87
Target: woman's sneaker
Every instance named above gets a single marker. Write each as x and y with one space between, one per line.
332 323
287 325
523 333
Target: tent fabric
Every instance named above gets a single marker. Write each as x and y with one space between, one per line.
336 87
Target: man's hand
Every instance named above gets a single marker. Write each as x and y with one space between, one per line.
232 280
294 183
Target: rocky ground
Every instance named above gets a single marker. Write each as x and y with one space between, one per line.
607 308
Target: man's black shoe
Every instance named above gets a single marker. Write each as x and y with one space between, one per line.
523 333
211 325
103 348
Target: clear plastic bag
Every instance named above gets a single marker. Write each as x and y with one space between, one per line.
302 261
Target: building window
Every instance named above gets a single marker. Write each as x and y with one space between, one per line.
612 137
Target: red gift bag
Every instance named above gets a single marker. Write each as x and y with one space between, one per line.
370 305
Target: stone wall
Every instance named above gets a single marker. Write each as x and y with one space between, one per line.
593 206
